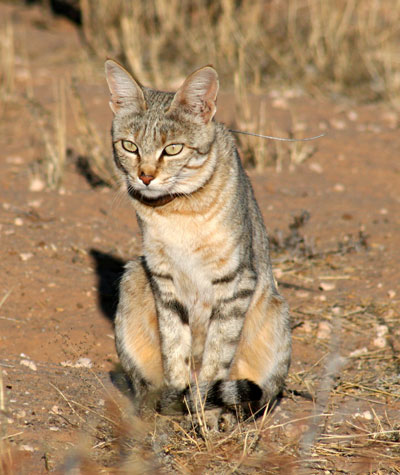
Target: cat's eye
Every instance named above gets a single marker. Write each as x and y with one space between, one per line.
129 146
173 149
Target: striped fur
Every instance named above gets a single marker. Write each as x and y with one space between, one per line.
200 320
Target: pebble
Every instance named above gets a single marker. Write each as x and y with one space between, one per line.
27 448
25 256
324 330
18 222
326 286
280 103
315 167
15 160
381 330
35 203
352 115
36 184
338 124
302 294
339 187
380 342
29 364
391 294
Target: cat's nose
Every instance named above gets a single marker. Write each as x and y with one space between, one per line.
146 179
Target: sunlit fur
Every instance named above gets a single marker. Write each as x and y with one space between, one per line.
200 305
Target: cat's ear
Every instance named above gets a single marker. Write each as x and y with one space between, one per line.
198 94
125 91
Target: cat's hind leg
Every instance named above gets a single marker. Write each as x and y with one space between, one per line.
136 332
264 351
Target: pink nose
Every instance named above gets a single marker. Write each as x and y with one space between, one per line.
146 179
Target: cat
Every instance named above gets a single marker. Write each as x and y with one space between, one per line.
200 319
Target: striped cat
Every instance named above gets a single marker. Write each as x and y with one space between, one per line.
199 318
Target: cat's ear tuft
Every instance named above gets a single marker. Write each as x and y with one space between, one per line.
198 94
126 93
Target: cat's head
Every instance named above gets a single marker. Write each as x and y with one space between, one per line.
163 141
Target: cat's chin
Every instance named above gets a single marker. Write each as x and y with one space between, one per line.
152 194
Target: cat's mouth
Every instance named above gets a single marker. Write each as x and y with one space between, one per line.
145 198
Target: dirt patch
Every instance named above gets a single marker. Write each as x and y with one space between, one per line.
334 226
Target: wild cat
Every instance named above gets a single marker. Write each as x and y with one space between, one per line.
200 319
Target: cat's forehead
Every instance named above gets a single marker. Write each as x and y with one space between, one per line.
157 100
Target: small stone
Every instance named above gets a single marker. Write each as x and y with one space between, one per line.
380 342
15 160
27 448
392 119
391 294
326 286
35 203
338 124
280 103
302 294
352 115
339 187
25 256
381 330
324 330
56 410
29 364
367 415
18 222
84 363
315 167
54 429
36 184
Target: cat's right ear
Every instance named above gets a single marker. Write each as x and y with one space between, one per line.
126 93
198 94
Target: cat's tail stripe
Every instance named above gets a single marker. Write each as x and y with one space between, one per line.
220 393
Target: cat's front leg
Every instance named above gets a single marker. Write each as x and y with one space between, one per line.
223 338
175 341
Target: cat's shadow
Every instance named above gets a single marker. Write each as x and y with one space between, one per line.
109 270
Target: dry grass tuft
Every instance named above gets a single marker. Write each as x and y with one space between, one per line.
7 59
53 136
92 160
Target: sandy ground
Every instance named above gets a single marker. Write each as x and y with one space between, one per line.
62 253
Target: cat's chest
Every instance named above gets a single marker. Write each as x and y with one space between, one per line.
188 250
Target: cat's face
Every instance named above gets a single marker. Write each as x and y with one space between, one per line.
162 141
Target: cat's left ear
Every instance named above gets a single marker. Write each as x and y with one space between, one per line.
198 94
125 91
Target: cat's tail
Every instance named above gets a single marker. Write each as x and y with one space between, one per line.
220 393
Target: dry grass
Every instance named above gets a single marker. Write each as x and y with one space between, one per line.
316 43
7 59
94 159
52 127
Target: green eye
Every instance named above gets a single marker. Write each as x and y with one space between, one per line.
129 146
173 149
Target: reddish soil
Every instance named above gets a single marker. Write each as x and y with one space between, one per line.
63 251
